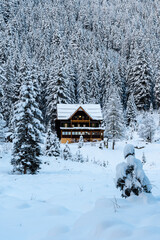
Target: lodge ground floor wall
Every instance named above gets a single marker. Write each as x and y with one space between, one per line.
72 140
73 135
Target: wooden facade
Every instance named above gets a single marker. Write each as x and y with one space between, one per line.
79 123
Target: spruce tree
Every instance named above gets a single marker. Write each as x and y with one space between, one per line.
157 88
49 143
2 129
147 127
139 80
26 148
56 92
131 111
92 75
67 152
113 117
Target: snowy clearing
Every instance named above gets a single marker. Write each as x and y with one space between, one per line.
79 201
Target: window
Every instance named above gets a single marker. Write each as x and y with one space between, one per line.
65 125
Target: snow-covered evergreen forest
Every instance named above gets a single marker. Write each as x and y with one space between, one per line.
77 51
103 52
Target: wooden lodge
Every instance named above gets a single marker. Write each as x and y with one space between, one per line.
74 120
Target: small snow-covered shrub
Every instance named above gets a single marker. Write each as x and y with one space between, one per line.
67 152
81 142
101 145
79 157
130 176
143 159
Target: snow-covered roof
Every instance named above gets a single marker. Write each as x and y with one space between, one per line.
65 111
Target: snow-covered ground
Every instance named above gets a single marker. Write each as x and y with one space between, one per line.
78 201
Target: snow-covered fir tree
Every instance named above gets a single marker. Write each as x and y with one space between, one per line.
147 127
79 157
157 88
53 147
131 111
89 57
113 117
2 129
67 152
130 176
49 142
56 92
26 148
139 79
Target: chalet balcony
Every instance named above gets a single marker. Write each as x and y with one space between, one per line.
80 121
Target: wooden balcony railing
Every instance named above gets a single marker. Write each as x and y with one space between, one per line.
80 121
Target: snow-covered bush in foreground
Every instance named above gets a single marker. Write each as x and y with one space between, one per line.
130 177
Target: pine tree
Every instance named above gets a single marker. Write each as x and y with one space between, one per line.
139 80
67 152
56 92
113 117
26 148
147 127
79 157
53 147
2 129
49 142
92 75
157 88
83 83
131 111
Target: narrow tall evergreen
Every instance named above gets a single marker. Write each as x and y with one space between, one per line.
113 117
26 148
131 110
157 88
139 80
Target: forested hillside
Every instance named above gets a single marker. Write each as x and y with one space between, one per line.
78 51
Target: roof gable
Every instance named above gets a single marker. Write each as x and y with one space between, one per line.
80 109
66 111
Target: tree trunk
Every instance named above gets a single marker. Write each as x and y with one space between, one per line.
113 144
25 169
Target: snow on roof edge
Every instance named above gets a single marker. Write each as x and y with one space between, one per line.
65 111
